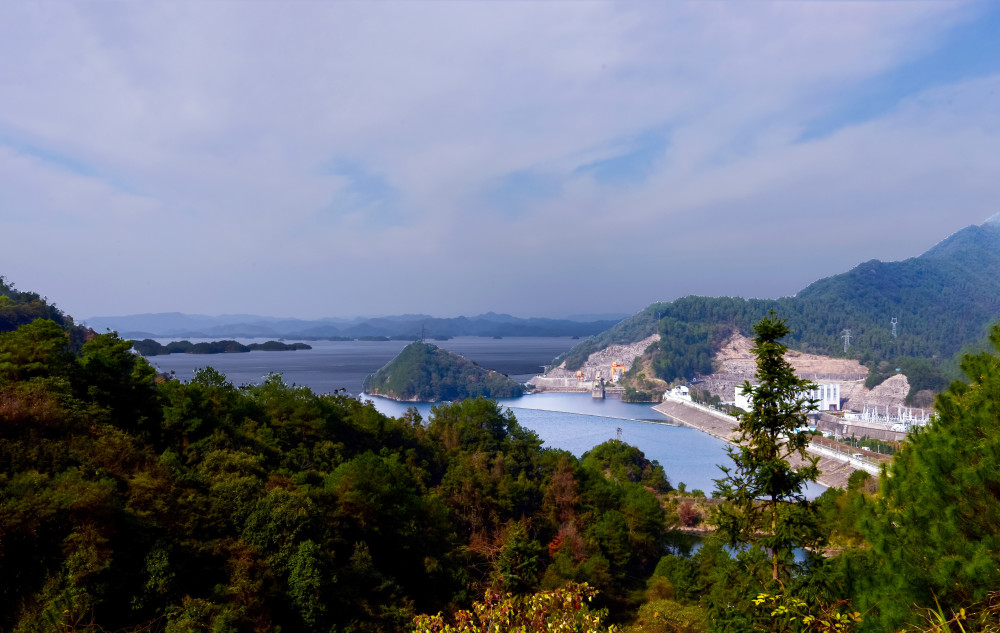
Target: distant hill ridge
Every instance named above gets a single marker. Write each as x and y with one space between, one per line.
178 325
943 300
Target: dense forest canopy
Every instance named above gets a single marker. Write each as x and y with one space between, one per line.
126 500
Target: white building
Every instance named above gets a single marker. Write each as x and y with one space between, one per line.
680 392
827 397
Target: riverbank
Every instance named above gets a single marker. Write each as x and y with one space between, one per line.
834 472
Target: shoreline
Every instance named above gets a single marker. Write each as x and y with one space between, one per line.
834 473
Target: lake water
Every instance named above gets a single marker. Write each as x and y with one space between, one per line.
577 422
574 422
331 365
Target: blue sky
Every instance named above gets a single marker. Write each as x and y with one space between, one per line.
542 159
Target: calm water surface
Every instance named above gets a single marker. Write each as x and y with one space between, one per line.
573 422
331 365
576 423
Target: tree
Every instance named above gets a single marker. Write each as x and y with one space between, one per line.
563 609
766 506
935 526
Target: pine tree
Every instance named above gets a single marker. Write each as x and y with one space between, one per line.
935 526
766 505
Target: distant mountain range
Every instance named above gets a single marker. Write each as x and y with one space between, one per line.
942 301
178 325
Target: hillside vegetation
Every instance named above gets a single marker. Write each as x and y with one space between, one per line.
19 308
133 503
426 373
944 300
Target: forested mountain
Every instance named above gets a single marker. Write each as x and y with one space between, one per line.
178 325
426 373
943 301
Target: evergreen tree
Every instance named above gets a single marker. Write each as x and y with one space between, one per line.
766 506
935 526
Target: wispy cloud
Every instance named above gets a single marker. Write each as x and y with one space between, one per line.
461 157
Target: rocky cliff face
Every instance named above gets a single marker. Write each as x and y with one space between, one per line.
735 364
890 393
598 363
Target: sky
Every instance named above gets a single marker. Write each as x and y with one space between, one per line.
322 159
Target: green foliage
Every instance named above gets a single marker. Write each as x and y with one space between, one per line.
423 372
34 350
667 616
128 501
623 462
520 560
563 609
19 308
793 614
119 384
936 523
765 505
635 395
685 349
703 396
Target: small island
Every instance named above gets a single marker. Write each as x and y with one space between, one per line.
149 347
425 373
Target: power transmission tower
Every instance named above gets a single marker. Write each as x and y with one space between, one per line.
619 433
847 339
894 321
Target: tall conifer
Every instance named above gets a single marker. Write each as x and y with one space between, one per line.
766 505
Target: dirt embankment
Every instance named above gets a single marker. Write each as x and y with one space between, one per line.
735 365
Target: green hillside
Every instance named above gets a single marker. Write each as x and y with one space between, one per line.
426 373
133 503
944 300
19 308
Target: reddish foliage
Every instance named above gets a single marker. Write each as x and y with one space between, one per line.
688 514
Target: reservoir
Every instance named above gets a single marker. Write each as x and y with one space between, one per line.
576 422
572 422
